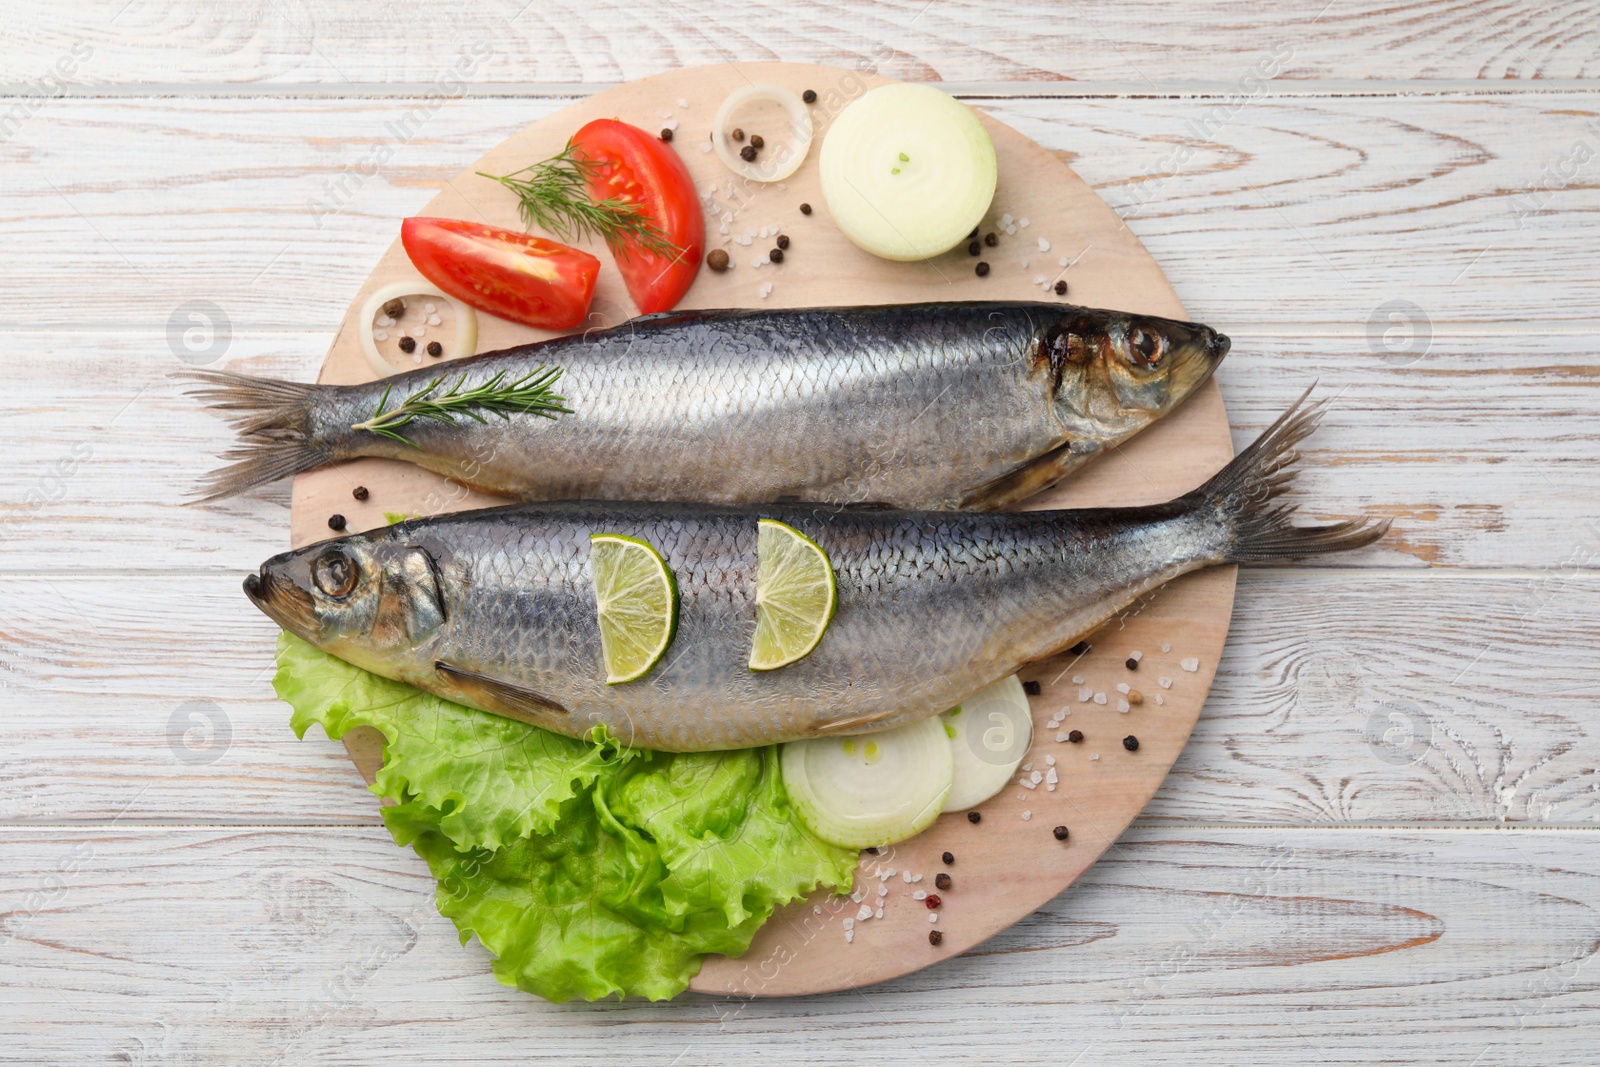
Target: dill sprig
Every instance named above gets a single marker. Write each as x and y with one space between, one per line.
530 394
554 195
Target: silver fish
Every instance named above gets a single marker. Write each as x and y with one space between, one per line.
931 406
496 609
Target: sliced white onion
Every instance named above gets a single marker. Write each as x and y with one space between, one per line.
907 171
781 156
465 344
989 734
876 789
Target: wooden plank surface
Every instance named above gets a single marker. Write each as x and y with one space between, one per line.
1397 158
1289 211
1254 946
1026 42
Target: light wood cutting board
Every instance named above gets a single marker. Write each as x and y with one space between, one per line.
1009 863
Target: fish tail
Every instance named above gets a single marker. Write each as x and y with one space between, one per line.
1241 496
274 422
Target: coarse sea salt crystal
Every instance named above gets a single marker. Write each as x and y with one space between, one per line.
705 146
1077 679
849 936
919 895
1123 706
1166 648
816 909
859 895
864 913
430 308
1049 761
1064 261
1191 664
1044 246
670 124
1094 755
1036 777
723 228
763 233
905 875
744 239
666 114
1122 687
1099 698
1026 815
761 261
434 320
1005 220
1027 766
1160 700
1024 222
1011 231
1085 695
380 335
417 358
1164 682
883 890
1136 655
419 331
1061 736
879 913
933 916
682 102
1039 279
1052 777
1026 784
916 878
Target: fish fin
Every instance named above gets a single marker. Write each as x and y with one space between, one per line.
1241 495
273 420
855 722
506 698
1037 474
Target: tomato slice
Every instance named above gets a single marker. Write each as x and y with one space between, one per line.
632 165
516 276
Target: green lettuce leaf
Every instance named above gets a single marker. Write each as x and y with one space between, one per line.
479 779
587 870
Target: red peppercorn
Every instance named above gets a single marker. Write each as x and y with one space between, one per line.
950 857
933 901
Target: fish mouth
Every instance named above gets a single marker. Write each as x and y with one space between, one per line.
1217 345
283 602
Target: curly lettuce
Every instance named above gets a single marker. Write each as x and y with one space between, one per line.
587 869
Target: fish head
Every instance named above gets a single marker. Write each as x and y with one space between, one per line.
371 599
1115 373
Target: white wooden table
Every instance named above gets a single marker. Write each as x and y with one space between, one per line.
1379 845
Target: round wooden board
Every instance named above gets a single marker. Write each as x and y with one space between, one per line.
1010 863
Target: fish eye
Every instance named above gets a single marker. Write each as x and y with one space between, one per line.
1148 345
335 573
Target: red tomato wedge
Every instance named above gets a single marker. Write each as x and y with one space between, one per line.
526 279
631 165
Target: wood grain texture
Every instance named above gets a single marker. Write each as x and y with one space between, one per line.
115 689
1457 446
1259 947
1284 211
1031 42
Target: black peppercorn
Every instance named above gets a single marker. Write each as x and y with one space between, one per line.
873 849
805 209
408 344
950 857
1130 743
942 880
1031 688
1132 664
1061 288
1060 833
973 234
748 154
981 269
360 492
435 349
809 96
775 256
974 248
666 134
934 937
1080 649
738 134
974 817
1075 736
757 141
991 239
335 522
783 240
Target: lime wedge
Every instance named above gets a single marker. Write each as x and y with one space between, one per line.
795 596
637 599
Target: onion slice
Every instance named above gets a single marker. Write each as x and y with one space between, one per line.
989 734
465 344
907 171
875 789
780 156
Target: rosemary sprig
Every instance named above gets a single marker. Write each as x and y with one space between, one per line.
554 195
530 394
